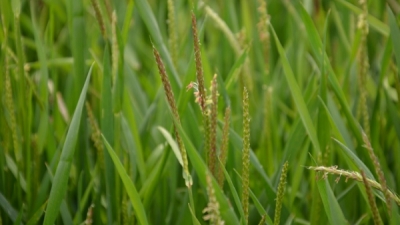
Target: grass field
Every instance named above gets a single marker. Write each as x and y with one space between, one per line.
199 112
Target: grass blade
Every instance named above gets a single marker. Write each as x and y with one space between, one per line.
60 182
7 207
234 72
151 23
298 97
107 129
395 36
129 186
257 203
37 215
233 189
316 45
172 143
332 208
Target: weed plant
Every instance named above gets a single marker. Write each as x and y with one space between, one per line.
199 112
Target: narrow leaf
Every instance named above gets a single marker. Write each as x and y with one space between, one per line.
129 186
297 95
60 182
331 205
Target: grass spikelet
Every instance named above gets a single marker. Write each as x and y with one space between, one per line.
114 47
371 200
262 221
125 217
200 88
212 209
96 135
173 39
224 147
89 215
108 8
378 170
263 32
213 126
11 110
199 66
363 67
171 101
99 17
207 132
354 176
280 193
246 155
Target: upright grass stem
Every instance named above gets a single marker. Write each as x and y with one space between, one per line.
363 67
114 48
378 170
224 147
371 200
213 126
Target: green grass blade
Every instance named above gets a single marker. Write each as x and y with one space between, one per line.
59 187
37 215
44 116
233 190
147 189
257 203
19 218
316 45
134 148
14 170
237 142
195 221
297 95
395 219
323 126
395 36
7 207
151 23
331 205
172 143
129 186
85 197
78 44
234 72
107 129
64 211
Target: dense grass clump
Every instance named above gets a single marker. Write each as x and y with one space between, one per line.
199 112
